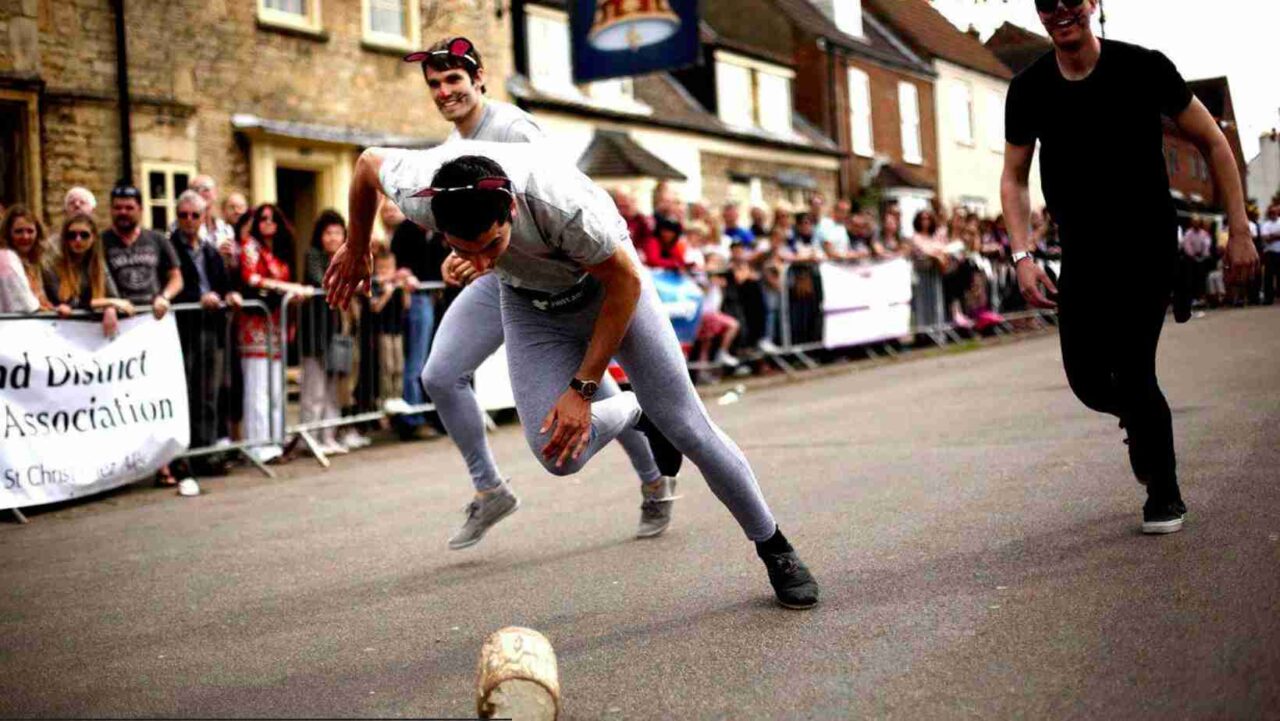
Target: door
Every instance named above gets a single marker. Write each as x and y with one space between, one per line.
297 197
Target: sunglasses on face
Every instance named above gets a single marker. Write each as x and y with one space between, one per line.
488 184
188 215
1048 6
79 235
266 219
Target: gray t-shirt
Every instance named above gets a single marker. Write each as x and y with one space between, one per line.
563 221
140 270
503 123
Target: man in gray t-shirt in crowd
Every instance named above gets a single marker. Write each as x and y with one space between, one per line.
471 330
142 263
573 297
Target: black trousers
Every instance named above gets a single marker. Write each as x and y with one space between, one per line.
1270 277
202 357
1109 331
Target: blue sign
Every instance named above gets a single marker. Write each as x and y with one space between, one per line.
619 38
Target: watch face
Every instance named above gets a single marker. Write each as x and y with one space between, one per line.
589 389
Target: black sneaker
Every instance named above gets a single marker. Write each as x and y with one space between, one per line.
792 583
1181 303
665 455
1160 517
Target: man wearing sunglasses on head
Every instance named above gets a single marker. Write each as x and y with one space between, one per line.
1095 107
572 297
471 330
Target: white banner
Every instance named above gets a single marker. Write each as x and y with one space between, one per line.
865 303
80 414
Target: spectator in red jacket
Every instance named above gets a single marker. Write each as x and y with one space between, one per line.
665 249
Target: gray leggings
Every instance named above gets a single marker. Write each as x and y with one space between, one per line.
544 351
470 332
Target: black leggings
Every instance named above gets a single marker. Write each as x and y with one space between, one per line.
1109 341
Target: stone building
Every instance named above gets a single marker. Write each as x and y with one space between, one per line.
272 97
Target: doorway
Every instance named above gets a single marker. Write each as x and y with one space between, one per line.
296 194
13 155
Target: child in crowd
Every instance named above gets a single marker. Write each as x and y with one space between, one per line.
391 298
717 328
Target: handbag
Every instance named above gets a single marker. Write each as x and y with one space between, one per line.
340 360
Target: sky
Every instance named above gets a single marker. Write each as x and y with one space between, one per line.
1235 38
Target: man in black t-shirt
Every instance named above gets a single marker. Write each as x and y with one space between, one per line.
142 262
1095 107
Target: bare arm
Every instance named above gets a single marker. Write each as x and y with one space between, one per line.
1198 125
1016 199
621 281
352 265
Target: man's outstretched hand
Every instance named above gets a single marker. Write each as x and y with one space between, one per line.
1033 282
348 274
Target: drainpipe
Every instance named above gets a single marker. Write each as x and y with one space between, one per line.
842 174
122 92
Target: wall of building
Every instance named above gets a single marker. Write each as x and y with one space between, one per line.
195 63
1264 171
1189 175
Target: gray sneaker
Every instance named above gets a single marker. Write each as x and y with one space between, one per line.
483 512
655 511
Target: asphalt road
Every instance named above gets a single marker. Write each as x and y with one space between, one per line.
975 529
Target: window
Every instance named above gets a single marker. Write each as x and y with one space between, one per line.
164 183
993 120
848 16
774 102
962 112
391 24
752 94
301 15
734 92
549 52
909 112
860 113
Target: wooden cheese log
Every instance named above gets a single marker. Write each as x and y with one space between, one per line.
517 676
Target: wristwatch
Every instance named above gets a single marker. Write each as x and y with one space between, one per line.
1019 257
586 389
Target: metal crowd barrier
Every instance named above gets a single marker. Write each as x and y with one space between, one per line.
218 399
930 317
351 363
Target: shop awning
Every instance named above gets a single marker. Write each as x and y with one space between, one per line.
613 154
250 124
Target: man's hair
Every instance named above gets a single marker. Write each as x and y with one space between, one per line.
468 214
83 192
191 197
448 61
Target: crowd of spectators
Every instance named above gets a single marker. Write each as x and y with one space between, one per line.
217 256
232 266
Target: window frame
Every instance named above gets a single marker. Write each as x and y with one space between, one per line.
993 120
407 42
855 119
754 68
310 23
554 86
916 158
170 204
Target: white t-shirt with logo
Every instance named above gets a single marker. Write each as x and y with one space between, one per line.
1270 227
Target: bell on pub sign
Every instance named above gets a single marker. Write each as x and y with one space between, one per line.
632 24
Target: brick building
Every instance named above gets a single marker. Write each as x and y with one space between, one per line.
860 84
1190 179
274 97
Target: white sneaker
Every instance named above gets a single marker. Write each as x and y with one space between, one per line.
265 454
725 359
188 487
768 346
332 448
396 407
352 440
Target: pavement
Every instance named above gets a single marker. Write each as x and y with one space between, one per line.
975 529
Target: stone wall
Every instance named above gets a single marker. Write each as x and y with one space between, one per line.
716 170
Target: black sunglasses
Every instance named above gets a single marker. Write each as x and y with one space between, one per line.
1048 6
79 235
185 215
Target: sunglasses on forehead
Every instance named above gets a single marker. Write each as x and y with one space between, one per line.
490 184
1048 6
457 48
